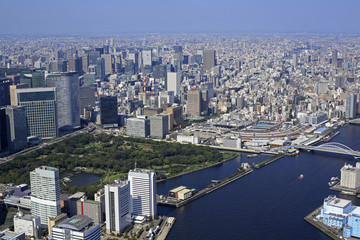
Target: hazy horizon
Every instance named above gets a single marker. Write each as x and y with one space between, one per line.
89 17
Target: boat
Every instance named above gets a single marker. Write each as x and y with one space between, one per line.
348 193
301 176
215 181
251 155
333 181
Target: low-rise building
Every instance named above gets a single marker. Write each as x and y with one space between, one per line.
91 209
78 227
10 235
28 224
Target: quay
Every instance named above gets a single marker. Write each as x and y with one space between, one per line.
204 191
165 229
268 161
331 232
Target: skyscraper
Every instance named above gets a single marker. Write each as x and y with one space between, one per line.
134 56
40 110
209 59
108 63
178 55
159 126
173 82
351 106
108 112
45 193
4 91
194 102
75 64
117 206
143 192
92 57
147 57
100 68
67 98
16 128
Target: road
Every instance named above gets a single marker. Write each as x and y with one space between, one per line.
91 127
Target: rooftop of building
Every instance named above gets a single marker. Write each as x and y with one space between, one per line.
339 202
47 168
119 183
77 195
177 189
80 223
141 170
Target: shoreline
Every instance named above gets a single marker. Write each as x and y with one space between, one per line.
212 165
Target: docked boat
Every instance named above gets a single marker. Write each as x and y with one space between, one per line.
348 193
333 181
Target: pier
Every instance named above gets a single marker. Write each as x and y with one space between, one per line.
204 191
268 161
311 218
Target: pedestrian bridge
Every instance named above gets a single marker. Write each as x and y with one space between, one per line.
331 147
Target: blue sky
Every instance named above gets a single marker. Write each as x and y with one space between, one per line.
117 16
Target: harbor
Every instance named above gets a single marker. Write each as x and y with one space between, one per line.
209 189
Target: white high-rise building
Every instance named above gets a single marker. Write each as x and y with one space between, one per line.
173 82
143 192
350 176
45 193
117 206
147 57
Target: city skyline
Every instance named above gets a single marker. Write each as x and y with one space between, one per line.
90 17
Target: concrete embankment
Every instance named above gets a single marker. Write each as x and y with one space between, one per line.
206 190
268 161
319 225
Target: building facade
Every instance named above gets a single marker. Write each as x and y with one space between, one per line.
138 127
143 192
159 126
78 227
45 193
109 112
40 111
67 98
117 206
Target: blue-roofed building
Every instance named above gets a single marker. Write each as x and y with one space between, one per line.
353 224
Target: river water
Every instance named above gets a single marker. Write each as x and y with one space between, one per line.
269 203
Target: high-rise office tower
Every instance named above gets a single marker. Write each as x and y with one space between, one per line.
194 102
108 63
295 59
134 56
85 63
159 126
173 82
67 98
45 193
40 110
3 131
351 106
87 98
129 67
4 91
334 56
178 55
339 82
143 192
117 206
108 112
147 57
209 59
33 79
93 56
75 65
100 68
62 66
16 127
138 127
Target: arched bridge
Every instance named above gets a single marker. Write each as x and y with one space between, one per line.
331 147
